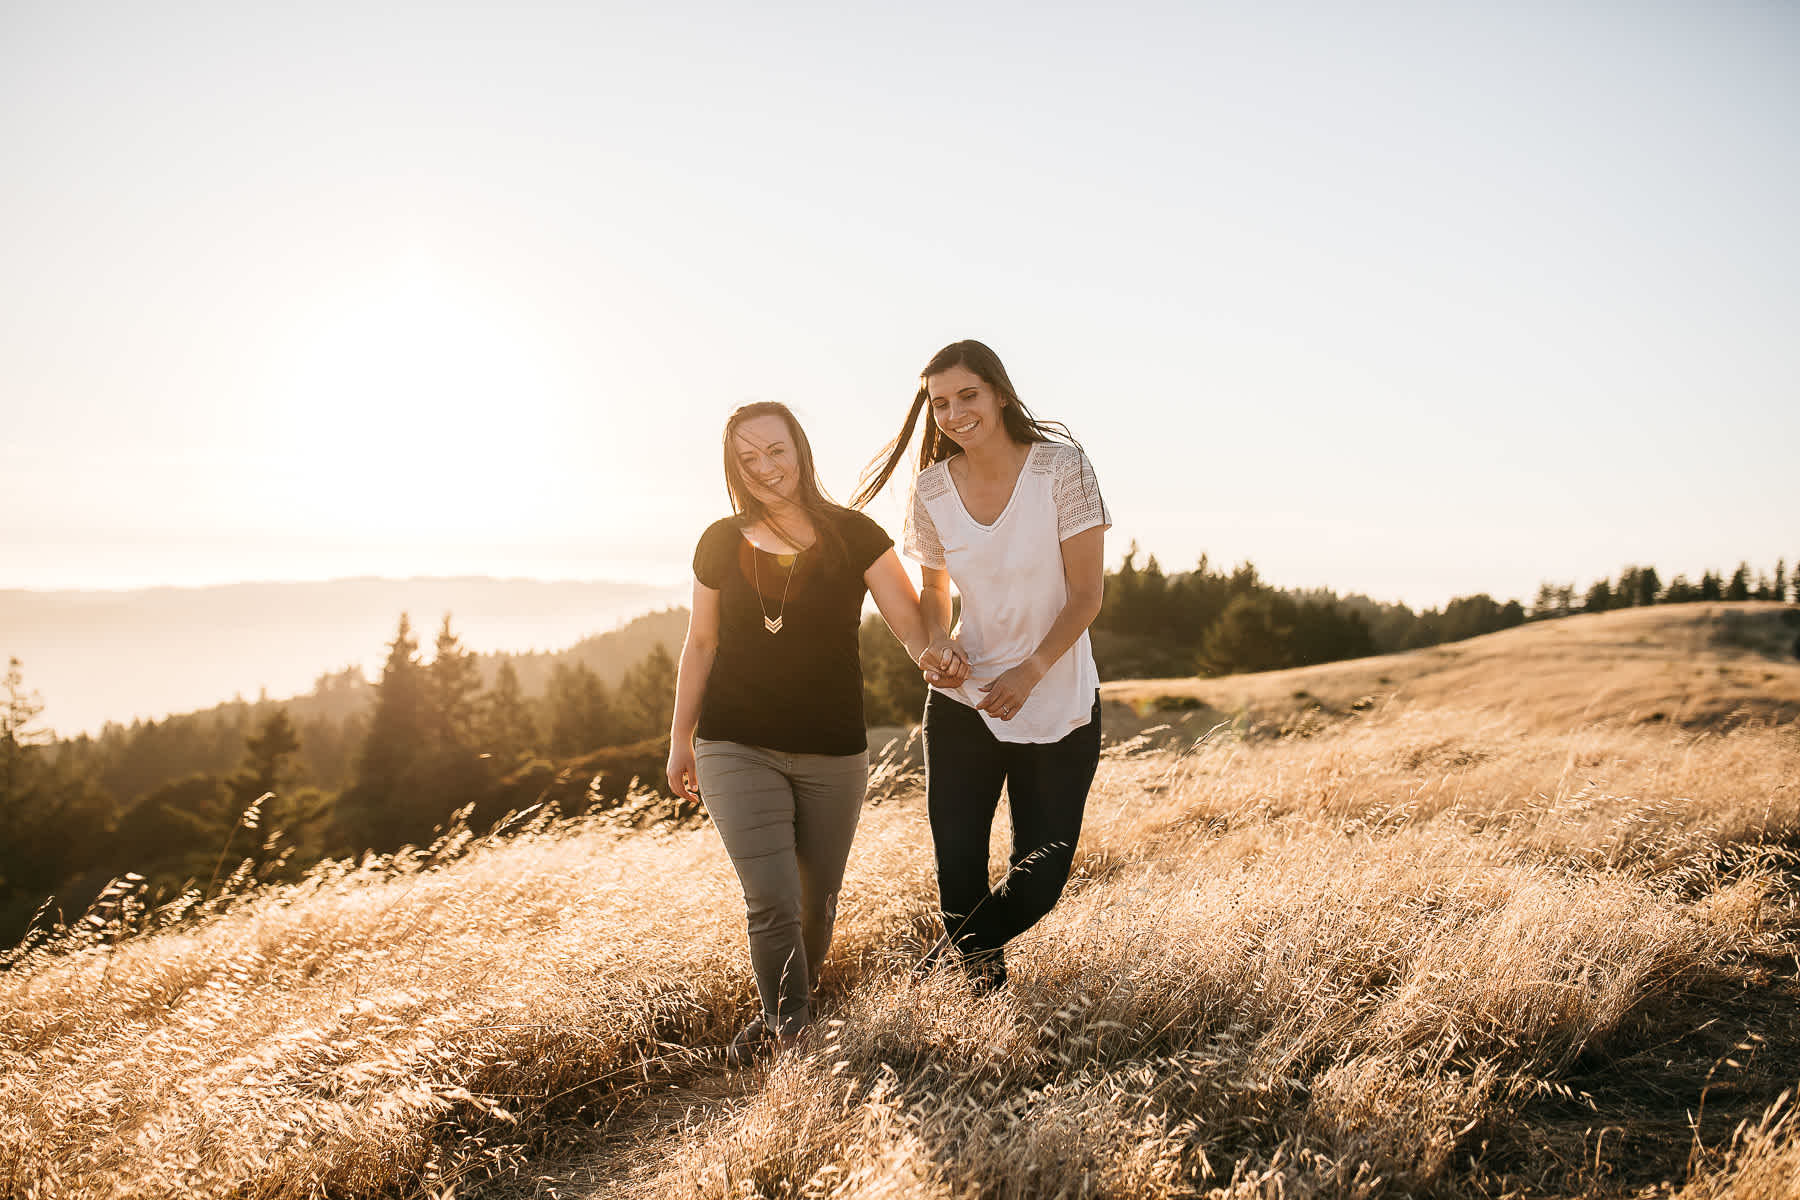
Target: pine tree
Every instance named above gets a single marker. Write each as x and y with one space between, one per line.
1739 587
381 809
645 701
1153 599
893 688
1254 634
1626 594
266 754
453 680
1649 587
295 818
1710 586
1599 597
1553 600
504 727
578 713
1781 579
50 811
18 710
1119 607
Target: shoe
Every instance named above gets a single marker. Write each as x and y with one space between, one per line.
987 972
752 1042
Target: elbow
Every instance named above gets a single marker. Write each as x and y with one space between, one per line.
1087 606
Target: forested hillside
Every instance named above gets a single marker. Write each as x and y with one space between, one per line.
265 789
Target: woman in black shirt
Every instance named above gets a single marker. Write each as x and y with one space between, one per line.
768 726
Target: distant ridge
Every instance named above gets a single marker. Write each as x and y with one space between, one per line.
96 656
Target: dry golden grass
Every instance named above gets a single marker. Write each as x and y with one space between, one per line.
1431 949
1694 665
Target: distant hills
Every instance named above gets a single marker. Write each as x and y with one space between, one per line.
99 656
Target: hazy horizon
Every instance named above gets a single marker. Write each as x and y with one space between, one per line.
116 656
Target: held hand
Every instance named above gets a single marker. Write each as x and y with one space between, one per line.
684 776
1007 693
944 664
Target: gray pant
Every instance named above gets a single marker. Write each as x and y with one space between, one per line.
787 820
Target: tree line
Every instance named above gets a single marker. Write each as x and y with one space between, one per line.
263 790
1211 621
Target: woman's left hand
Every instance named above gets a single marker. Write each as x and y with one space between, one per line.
944 664
1007 693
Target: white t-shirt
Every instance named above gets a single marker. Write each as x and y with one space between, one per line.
1010 574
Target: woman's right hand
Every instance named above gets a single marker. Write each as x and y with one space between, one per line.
684 775
944 664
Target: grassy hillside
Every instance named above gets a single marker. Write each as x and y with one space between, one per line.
1691 665
1494 932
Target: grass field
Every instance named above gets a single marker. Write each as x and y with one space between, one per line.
1518 917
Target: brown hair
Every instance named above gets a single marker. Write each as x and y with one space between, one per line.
811 498
1015 418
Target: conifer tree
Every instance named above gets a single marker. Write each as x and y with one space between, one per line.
1253 635
504 727
266 754
578 713
893 688
1119 605
50 812
380 809
646 697
1649 587
293 817
19 709
1680 591
1710 586
1153 599
1739 587
1599 597
453 680
1625 595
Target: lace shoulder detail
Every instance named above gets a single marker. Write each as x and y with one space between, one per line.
1076 490
919 539
933 482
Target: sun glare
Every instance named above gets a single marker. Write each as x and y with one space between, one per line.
413 404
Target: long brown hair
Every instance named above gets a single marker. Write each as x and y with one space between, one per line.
811 499
934 446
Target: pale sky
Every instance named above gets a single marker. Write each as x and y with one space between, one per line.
1411 300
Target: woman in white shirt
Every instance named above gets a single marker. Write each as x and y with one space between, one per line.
1007 508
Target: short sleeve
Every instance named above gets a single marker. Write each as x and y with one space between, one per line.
1076 490
712 557
919 537
864 540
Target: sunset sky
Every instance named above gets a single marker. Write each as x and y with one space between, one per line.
1411 300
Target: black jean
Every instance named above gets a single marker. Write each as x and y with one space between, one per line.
1047 787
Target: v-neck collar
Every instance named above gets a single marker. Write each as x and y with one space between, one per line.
1011 499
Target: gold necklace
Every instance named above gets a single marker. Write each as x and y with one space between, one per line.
772 624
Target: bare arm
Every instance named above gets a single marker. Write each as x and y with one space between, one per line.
934 599
697 653
949 667
1084 573
892 590
926 643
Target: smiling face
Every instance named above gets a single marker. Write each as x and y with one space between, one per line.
767 458
964 407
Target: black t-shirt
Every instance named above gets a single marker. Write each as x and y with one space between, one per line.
799 689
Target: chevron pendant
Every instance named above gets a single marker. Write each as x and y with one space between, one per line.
772 624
